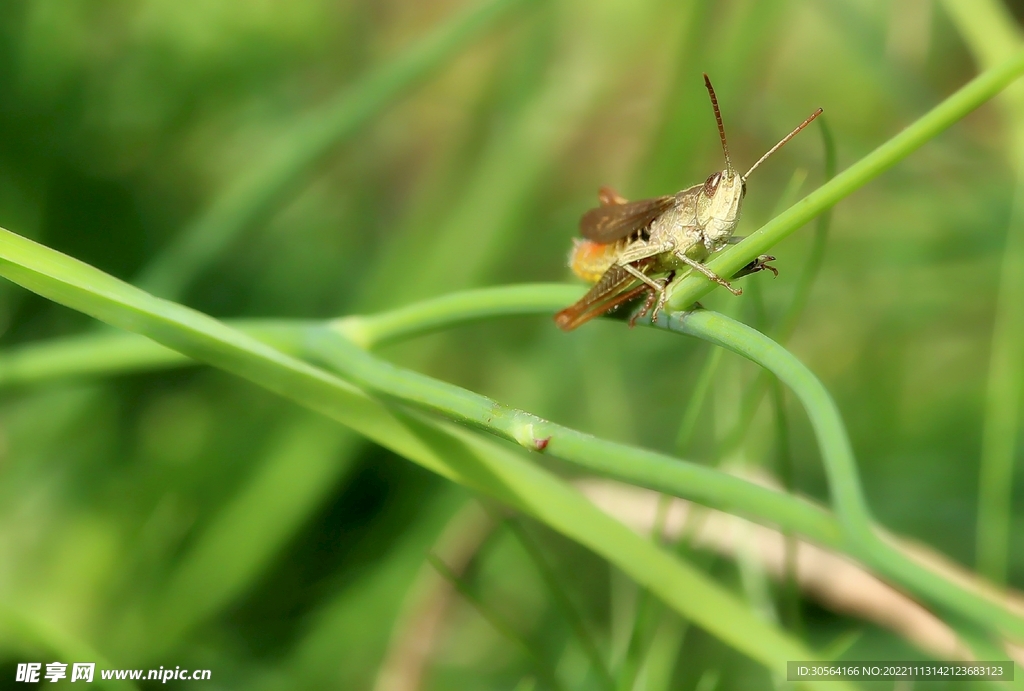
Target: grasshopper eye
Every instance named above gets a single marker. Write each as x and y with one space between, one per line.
711 184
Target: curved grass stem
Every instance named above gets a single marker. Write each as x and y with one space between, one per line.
435 446
730 260
863 541
645 468
628 463
840 466
859 537
991 34
801 294
457 454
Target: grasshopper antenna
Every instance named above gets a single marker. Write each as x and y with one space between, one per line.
778 146
718 117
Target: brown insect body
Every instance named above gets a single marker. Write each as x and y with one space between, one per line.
687 224
626 242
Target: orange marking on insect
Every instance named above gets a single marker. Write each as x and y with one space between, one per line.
589 260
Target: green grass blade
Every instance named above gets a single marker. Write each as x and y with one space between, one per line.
454 453
641 467
497 621
844 484
638 466
812 267
567 445
112 353
992 34
695 405
669 475
562 602
306 461
255 195
801 294
672 476
340 622
730 260
427 316
39 635
1003 403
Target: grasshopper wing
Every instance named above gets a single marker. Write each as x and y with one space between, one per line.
610 222
609 197
614 289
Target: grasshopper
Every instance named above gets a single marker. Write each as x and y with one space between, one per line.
625 242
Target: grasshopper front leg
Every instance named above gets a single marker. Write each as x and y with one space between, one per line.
707 272
758 264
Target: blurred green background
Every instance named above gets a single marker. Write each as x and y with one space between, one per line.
188 518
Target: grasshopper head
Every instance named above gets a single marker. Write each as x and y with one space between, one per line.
718 203
718 206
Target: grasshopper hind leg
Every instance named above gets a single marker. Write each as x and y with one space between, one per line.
655 299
